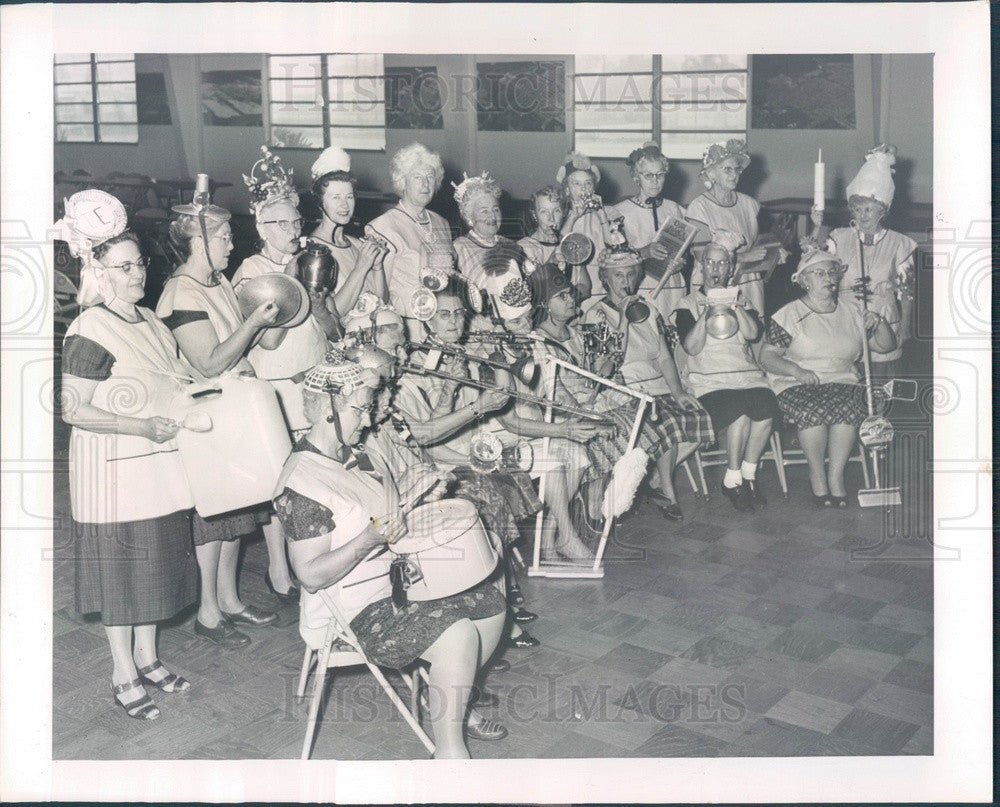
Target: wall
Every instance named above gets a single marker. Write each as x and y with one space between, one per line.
893 100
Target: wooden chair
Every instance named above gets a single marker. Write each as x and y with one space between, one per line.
342 649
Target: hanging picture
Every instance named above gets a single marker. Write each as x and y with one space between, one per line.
151 99
231 98
521 96
802 91
413 98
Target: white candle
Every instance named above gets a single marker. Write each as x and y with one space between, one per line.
819 183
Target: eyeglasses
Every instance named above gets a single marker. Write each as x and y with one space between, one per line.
228 238
128 266
720 264
650 176
827 273
448 316
730 169
285 224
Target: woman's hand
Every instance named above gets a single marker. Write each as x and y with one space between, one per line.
686 400
656 251
158 429
872 320
816 216
807 377
491 400
390 528
264 315
753 255
368 255
579 431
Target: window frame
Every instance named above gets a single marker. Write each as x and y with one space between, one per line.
325 126
95 103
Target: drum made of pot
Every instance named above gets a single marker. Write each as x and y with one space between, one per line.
236 463
447 543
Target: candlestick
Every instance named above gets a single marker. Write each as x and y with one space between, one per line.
819 183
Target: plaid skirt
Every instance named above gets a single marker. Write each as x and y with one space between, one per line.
135 572
394 638
229 526
805 406
502 499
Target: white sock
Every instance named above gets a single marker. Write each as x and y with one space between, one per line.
749 470
732 479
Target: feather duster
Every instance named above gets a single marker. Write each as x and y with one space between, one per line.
626 477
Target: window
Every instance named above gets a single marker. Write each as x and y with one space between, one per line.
318 100
683 102
95 98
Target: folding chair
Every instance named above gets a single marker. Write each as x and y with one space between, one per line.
707 458
64 296
342 649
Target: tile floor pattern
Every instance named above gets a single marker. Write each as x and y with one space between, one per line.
790 632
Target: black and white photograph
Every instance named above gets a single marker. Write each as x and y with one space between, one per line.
393 397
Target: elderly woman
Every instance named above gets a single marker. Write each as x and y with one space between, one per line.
128 491
478 201
548 210
337 516
415 236
360 263
724 375
642 216
199 305
810 353
885 256
579 177
721 208
648 366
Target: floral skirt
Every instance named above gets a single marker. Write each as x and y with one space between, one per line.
396 637
502 499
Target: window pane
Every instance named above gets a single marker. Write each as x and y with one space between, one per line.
704 87
613 89
703 62
74 133
297 137
690 145
361 114
364 139
296 92
116 113
74 92
296 115
356 89
705 116
610 144
116 71
116 92
295 67
71 113
72 72
613 118
61 58
354 64
114 57
119 133
612 64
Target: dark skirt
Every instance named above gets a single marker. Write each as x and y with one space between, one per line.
724 406
805 406
135 572
395 639
229 526
502 499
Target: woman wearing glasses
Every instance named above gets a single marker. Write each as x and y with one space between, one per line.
810 352
129 494
198 304
642 216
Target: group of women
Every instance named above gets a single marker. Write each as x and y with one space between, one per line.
460 316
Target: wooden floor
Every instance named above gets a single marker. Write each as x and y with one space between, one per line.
789 632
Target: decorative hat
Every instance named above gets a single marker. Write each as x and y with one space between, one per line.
338 375
369 310
728 240
575 161
547 281
874 179
331 159
200 204
812 258
91 217
469 185
505 284
616 258
649 150
274 183
717 152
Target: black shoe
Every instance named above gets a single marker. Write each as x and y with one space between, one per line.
251 617
753 492
223 634
838 501
290 597
739 498
515 597
822 500
521 616
524 641
668 507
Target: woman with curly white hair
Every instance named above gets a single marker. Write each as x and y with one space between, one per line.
413 234
478 201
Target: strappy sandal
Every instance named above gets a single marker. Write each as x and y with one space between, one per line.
169 683
141 708
487 730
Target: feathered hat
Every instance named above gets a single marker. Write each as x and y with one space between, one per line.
274 183
331 159
717 152
91 217
575 161
874 178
